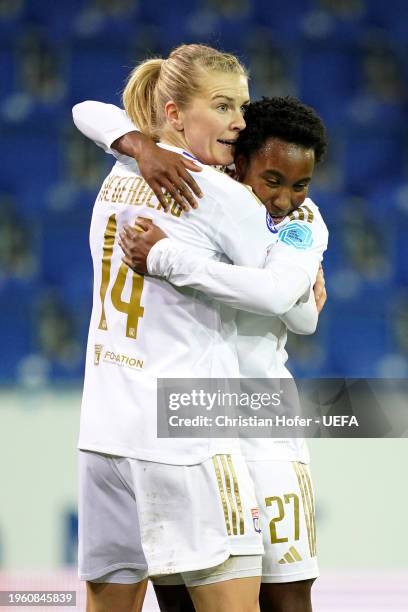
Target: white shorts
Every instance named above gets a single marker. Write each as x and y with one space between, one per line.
285 496
145 518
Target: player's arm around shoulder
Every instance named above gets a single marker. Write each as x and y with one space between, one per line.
102 123
166 172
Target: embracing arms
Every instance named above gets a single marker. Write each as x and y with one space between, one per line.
164 171
271 291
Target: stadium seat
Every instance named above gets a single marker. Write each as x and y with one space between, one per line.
16 325
7 72
58 19
359 335
389 17
31 161
372 157
97 72
327 77
65 251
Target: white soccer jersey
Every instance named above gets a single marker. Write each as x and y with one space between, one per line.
289 274
143 328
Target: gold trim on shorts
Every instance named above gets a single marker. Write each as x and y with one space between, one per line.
229 492
306 490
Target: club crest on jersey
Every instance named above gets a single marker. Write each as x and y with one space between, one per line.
270 224
97 353
297 235
256 520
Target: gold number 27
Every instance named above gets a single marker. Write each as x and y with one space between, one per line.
269 501
132 308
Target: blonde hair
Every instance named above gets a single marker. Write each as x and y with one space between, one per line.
156 81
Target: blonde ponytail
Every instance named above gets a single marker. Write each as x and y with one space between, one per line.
139 98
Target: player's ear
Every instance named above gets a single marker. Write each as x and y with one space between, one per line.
173 116
241 167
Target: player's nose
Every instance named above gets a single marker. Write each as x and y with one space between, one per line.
238 122
282 201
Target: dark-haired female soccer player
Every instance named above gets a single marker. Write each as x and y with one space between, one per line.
275 155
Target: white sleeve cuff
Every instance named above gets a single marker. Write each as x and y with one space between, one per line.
102 123
160 254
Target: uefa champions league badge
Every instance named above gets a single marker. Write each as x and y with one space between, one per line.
297 235
270 224
256 520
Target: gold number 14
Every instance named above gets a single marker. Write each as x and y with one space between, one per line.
132 308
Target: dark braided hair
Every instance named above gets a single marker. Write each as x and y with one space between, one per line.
286 119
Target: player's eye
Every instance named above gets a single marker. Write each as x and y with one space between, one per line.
222 107
301 187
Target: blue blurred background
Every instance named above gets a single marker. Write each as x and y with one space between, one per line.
347 58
